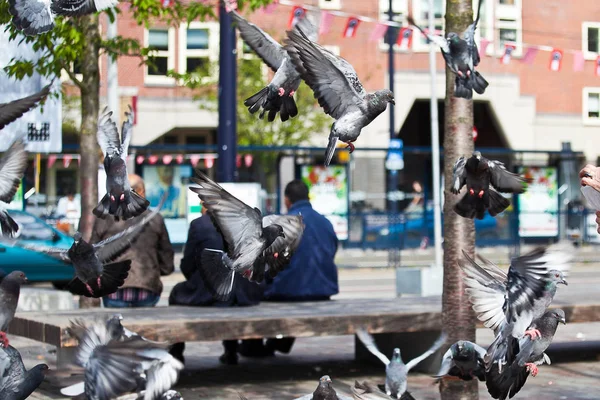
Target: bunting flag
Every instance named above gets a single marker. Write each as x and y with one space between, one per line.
556 58
597 69
238 160
139 160
578 61
51 160
529 56
296 15
378 32
483 45
67 158
167 158
508 50
179 158
194 158
248 160
326 22
405 38
230 5
153 159
209 162
351 27
269 8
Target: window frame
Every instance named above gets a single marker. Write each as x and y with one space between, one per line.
159 80
589 55
585 106
212 53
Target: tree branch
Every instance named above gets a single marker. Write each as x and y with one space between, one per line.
65 66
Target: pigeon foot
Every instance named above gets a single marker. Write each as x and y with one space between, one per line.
3 339
468 73
531 367
122 197
275 255
350 146
471 192
248 273
533 333
292 93
99 282
112 198
89 288
480 194
281 92
461 74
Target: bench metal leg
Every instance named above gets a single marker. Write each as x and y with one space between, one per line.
65 357
411 344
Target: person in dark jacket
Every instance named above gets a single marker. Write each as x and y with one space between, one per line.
151 256
312 273
202 235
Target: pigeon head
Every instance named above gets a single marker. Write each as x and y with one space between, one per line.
77 237
325 381
396 357
272 232
453 38
387 95
555 277
114 327
17 277
477 155
559 315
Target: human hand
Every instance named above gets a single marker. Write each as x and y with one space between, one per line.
590 176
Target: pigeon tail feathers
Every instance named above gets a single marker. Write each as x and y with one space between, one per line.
257 101
330 148
288 108
498 203
470 207
217 272
131 206
463 88
8 226
112 278
478 82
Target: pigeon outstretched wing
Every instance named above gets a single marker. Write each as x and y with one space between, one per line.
469 37
280 252
366 338
459 175
12 168
54 252
14 110
503 180
73 8
108 135
12 370
434 347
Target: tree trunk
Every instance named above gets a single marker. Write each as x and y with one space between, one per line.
90 104
459 233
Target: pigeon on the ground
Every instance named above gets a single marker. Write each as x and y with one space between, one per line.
119 201
278 95
254 245
368 391
463 360
16 383
37 16
484 178
10 112
324 391
114 367
509 302
524 357
461 56
12 168
10 289
396 372
338 89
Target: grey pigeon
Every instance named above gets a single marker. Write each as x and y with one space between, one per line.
483 178
461 56
464 360
396 372
278 95
508 303
12 168
368 391
338 89
524 357
119 201
10 289
16 383
37 16
254 245
324 391
10 112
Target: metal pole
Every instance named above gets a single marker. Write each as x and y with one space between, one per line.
112 75
435 148
226 135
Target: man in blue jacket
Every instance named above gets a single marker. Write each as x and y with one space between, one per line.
312 274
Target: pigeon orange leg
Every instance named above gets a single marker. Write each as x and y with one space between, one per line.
3 339
531 367
122 197
350 146
99 282
533 333
292 93
471 192
89 288
480 194
281 91
112 198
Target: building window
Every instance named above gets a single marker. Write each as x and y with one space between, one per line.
399 13
161 43
590 39
421 15
508 27
591 106
330 4
199 48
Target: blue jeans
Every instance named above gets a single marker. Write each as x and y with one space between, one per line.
150 301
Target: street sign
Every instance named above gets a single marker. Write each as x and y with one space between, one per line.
395 156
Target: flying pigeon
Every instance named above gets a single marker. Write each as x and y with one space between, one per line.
483 177
114 367
120 201
338 89
37 16
255 245
461 56
12 168
324 391
278 95
509 302
10 112
10 289
524 357
463 360
368 391
396 372
16 383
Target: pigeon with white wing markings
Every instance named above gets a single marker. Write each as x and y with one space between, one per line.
12 168
10 112
461 56
17 383
254 245
10 290
37 16
463 360
483 178
396 372
278 95
120 200
337 88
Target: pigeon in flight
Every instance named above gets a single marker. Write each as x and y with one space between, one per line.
368 391
37 16
278 95
12 168
10 112
461 56
463 360
396 372
338 89
484 178
119 201
324 391
16 383
255 245
524 357
10 289
509 302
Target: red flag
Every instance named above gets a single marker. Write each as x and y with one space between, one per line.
166 3
248 160
67 158
139 159
167 158
296 15
134 100
378 32
483 45
405 38
578 61
179 158
51 160
194 158
238 160
153 159
326 22
209 161
508 50
529 56
556 58
597 69
351 27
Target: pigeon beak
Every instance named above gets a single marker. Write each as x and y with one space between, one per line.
282 235
564 282
564 321
393 101
26 280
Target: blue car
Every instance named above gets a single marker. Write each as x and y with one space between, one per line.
38 267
